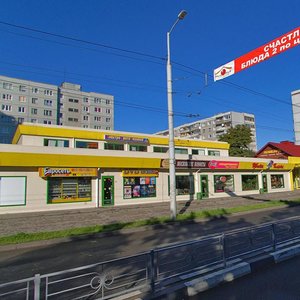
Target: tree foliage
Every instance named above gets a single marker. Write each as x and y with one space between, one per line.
239 138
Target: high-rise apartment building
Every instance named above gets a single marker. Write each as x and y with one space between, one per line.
213 127
67 105
296 115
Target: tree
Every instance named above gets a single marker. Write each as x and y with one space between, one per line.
239 138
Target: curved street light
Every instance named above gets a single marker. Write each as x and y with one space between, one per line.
172 173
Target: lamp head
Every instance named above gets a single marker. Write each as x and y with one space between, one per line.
182 14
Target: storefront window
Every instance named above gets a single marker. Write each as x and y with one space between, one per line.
277 181
185 185
139 187
12 191
198 152
160 149
181 151
85 144
69 189
113 146
213 153
249 182
56 143
224 183
140 148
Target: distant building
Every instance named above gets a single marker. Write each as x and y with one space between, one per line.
34 102
296 115
213 127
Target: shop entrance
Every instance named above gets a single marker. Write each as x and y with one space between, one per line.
265 183
107 190
204 186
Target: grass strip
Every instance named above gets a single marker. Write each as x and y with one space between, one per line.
90 230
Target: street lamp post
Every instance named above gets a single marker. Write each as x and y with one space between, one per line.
172 175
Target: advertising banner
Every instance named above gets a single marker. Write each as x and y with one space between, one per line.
262 53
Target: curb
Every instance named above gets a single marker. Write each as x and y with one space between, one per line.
195 286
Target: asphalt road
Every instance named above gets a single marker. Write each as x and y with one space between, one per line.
25 262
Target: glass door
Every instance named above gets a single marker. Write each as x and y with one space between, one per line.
204 186
265 183
107 190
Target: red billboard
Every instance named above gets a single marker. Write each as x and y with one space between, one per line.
276 46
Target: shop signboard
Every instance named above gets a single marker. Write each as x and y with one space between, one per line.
262 53
125 139
68 172
140 173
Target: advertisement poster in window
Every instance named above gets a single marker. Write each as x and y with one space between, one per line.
136 191
224 183
127 192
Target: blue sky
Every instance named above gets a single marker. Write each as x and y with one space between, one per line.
213 33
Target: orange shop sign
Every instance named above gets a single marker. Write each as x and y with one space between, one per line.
68 172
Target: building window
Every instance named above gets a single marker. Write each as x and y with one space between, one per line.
108 110
97 109
85 126
181 151
107 120
73 109
84 144
73 100
34 100
6 96
56 143
21 120
6 107
113 146
139 187
277 181
184 185
48 113
213 153
22 98
85 100
108 128
224 183
48 102
198 152
48 93
86 109
107 101
73 189
21 109
97 119
97 127
7 86
97 100
140 148
34 111
73 119
48 122
85 118
160 149
35 90
249 182
33 120
22 88
12 191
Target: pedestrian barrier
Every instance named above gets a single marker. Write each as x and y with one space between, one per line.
153 270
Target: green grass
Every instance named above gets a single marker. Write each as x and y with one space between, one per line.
90 230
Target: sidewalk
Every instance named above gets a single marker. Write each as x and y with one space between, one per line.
63 219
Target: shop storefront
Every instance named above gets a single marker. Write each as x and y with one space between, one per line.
67 185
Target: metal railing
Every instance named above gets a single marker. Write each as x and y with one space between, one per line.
148 271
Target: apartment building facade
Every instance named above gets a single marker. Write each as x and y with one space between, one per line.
213 127
41 103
